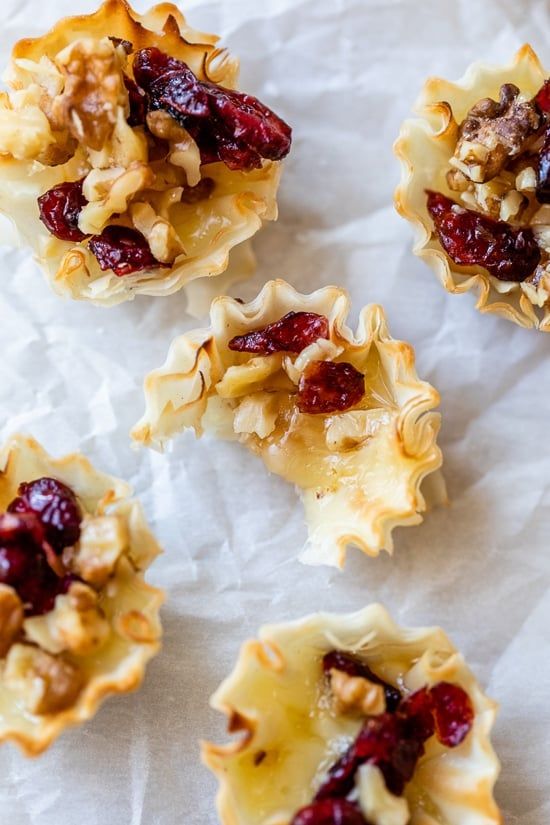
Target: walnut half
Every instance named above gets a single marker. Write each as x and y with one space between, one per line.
356 693
45 683
492 133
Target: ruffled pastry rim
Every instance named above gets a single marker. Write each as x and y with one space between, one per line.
249 208
435 121
114 492
267 651
417 425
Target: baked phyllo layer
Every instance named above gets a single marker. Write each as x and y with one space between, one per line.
476 183
128 161
344 417
77 620
353 720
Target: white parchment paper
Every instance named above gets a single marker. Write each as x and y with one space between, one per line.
344 73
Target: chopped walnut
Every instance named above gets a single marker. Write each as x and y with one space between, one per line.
161 236
76 623
45 683
11 617
94 89
109 192
103 539
356 693
184 152
492 133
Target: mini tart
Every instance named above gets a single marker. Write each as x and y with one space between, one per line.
289 733
359 472
63 663
190 215
427 149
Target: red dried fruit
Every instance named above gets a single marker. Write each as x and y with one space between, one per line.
453 713
330 812
355 667
123 250
23 562
227 126
472 239
292 333
56 506
329 386
542 97
138 102
394 742
60 208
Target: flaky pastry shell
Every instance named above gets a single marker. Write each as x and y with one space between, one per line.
208 230
287 737
128 602
424 147
360 472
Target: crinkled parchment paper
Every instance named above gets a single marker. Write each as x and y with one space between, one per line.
344 73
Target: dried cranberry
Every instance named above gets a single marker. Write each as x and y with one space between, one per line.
341 776
138 102
150 64
329 386
472 239
292 333
23 563
453 713
60 208
542 98
227 126
417 712
123 250
55 505
355 667
330 812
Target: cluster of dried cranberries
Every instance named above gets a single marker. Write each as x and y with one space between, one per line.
392 741
508 252
40 523
325 386
227 126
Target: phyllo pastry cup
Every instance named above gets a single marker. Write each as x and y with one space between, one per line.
128 161
354 720
77 620
476 185
342 416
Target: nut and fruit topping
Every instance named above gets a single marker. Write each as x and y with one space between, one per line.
227 126
292 333
392 741
163 118
45 683
470 239
501 171
329 386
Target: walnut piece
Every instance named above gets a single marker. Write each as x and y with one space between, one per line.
94 89
76 623
491 134
11 617
103 539
184 152
356 693
45 683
